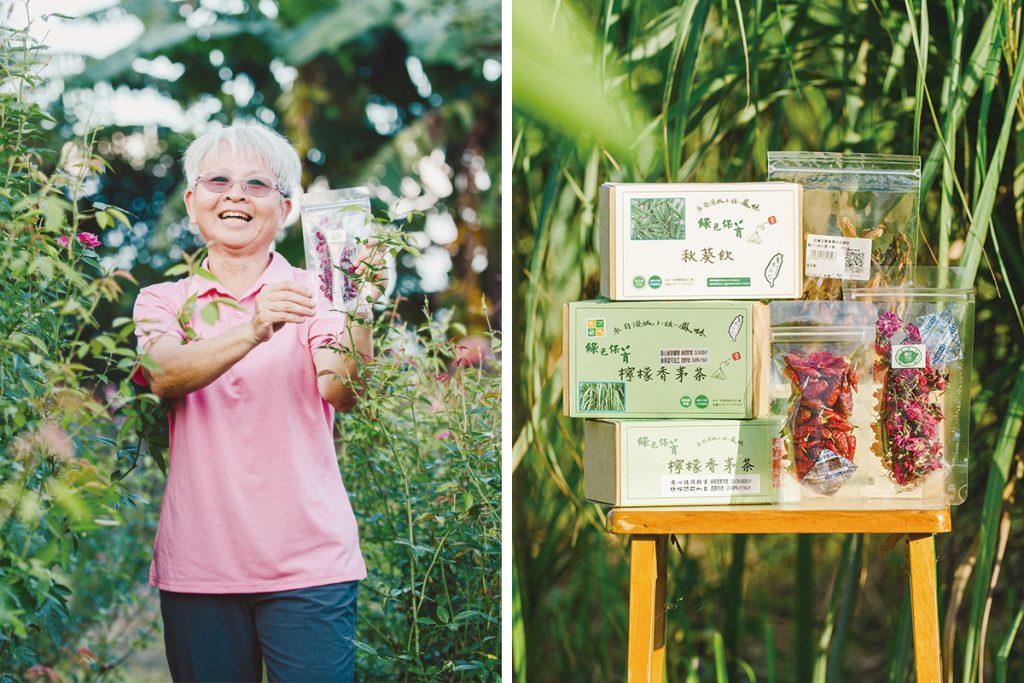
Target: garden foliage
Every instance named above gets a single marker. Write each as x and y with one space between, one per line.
68 561
82 451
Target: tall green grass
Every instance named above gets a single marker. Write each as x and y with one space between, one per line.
658 90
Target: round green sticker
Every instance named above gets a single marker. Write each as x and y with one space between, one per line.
702 401
638 282
908 357
654 281
686 401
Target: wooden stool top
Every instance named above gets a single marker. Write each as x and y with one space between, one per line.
775 519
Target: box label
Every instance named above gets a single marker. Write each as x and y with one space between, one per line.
709 485
728 282
846 258
685 357
695 462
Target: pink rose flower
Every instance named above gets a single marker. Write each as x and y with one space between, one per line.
86 239
89 240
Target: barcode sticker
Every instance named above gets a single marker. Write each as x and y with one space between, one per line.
685 356
846 258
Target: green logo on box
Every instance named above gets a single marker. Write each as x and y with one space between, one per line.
702 401
686 401
639 282
654 282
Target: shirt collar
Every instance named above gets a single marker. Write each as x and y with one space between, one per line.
278 270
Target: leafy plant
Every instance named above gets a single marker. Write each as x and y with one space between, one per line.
58 439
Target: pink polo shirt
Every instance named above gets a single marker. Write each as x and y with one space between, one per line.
254 500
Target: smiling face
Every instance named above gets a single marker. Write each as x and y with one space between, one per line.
235 223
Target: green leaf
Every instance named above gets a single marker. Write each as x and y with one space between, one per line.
557 80
210 313
177 269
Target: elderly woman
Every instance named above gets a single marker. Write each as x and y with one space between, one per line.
257 554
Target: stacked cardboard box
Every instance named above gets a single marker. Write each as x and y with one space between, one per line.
682 337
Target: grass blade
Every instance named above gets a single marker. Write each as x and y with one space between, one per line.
769 649
721 670
518 629
982 212
1003 656
991 512
804 642
734 601
900 645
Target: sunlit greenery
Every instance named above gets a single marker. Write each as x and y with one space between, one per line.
701 91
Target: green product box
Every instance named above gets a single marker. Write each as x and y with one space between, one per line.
641 463
671 359
699 241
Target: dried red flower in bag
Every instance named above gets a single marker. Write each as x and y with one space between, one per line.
909 407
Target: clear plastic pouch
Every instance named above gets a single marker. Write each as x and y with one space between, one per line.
335 226
859 216
924 337
820 352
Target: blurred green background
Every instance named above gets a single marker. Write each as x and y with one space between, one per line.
400 96
98 100
657 91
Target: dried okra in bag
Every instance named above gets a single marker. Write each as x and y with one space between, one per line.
335 227
924 336
821 348
859 217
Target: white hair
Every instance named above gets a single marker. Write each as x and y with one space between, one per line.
251 141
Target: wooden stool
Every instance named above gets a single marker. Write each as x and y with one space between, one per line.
651 527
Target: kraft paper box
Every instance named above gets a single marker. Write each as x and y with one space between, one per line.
666 359
680 462
701 241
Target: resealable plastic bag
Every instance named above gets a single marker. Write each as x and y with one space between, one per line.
859 217
924 338
336 226
820 352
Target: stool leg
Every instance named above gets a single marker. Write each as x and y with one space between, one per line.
647 566
923 601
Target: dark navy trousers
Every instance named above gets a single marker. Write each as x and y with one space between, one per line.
303 635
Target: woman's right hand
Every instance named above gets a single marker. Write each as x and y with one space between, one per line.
279 303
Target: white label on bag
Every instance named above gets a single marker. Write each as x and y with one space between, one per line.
846 258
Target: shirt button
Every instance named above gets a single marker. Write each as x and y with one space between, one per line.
238 314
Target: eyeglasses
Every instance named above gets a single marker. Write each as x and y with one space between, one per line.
255 186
